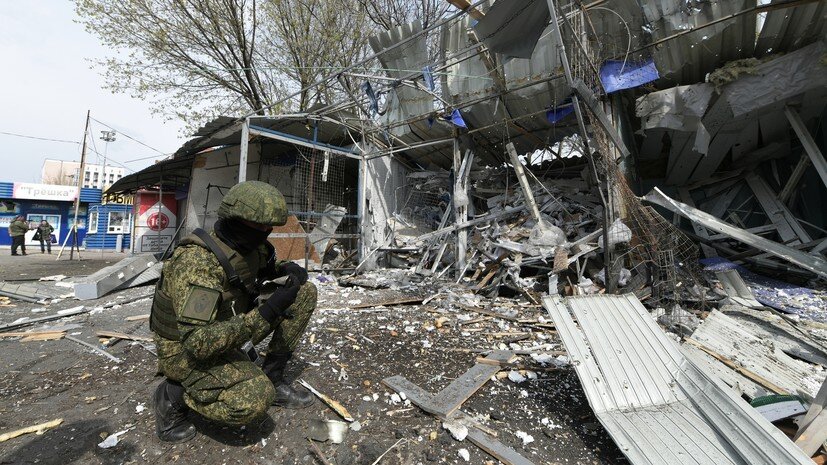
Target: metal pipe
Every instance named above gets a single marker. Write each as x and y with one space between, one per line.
561 48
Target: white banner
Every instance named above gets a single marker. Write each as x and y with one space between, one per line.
23 190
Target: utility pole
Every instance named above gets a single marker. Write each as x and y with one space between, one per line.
106 136
74 231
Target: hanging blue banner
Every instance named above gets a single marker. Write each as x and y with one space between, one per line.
614 75
456 118
555 114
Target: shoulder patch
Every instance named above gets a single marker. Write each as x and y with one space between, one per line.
200 306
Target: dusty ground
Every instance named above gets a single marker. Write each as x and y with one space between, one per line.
350 353
35 265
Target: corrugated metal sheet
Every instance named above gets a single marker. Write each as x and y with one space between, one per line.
654 402
6 190
785 335
736 288
401 62
90 195
725 336
468 79
714 368
687 59
789 29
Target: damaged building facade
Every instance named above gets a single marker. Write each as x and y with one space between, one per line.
624 163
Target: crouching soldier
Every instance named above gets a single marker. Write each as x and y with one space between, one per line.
207 316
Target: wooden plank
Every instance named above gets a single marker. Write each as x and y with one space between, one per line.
50 336
27 334
465 5
813 435
116 334
743 371
497 357
497 449
38 429
420 397
487 443
485 312
21 324
819 402
145 316
462 388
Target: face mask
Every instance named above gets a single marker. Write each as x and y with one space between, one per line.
240 237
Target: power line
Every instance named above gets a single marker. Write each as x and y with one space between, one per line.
129 137
40 138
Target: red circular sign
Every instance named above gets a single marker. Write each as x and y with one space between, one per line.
157 221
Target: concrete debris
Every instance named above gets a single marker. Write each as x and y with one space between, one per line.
458 430
117 276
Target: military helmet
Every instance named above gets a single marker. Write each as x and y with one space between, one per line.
254 201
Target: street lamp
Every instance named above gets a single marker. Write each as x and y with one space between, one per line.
106 136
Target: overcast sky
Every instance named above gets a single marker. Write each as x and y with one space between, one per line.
46 87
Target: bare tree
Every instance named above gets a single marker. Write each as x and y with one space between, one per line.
195 59
191 58
316 39
388 14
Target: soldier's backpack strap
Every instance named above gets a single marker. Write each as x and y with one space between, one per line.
229 270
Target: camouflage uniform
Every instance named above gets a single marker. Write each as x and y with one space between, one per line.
220 381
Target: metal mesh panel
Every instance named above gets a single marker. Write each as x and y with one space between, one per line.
659 251
318 180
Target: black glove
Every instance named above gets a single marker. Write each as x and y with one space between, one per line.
298 273
277 304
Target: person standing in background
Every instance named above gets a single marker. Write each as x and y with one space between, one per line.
17 231
44 234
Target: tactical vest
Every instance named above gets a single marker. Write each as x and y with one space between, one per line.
238 287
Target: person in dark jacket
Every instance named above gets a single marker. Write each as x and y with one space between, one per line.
44 235
17 231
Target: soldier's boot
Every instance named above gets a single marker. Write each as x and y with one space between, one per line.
171 424
286 395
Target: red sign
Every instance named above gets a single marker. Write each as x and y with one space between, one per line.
157 221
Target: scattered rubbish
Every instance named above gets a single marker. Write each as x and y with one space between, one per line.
525 437
337 407
95 349
516 377
31 321
327 430
37 429
112 440
464 454
458 430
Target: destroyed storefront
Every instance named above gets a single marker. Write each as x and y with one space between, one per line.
637 202
318 179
